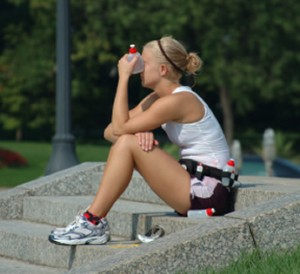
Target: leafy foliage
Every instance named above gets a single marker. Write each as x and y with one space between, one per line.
249 51
27 68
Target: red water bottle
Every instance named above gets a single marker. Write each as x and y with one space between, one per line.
229 168
201 213
139 65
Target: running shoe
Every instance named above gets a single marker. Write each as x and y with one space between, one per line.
63 230
82 232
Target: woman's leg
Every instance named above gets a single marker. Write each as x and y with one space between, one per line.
162 172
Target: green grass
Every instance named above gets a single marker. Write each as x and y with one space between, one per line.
38 155
269 263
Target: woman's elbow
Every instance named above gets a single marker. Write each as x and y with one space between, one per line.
107 133
117 131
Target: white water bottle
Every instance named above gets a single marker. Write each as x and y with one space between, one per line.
229 167
139 65
201 213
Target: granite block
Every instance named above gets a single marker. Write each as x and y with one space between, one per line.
274 224
212 242
9 266
255 190
27 242
266 217
11 203
54 210
138 190
125 217
77 180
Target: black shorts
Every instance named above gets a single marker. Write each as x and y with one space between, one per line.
220 201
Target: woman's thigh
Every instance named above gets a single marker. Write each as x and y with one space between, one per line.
164 175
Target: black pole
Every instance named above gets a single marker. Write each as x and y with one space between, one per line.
63 143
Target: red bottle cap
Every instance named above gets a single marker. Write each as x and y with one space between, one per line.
132 49
210 211
230 162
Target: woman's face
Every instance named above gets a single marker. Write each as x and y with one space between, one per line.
150 76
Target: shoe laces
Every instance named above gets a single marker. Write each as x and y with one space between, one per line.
76 222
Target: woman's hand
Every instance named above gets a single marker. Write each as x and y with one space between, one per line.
146 140
125 67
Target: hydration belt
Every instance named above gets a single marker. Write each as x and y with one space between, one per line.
200 170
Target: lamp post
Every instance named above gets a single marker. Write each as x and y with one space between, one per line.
63 142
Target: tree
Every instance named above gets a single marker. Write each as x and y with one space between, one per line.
249 51
27 66
102 33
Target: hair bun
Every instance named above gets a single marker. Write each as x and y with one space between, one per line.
194 63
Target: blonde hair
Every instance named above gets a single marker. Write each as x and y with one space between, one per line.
173 53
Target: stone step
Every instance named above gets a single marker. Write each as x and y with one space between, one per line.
261 203
256 190
23 241
216 241
126 218
190 250
138 190
9 266
253 190
84 180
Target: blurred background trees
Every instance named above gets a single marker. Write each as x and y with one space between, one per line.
249 49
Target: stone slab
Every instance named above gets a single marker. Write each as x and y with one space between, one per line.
274 224
11 203
126 218
28 242
267 218
9 266
215 241
255 190
138 190
77 180
270 181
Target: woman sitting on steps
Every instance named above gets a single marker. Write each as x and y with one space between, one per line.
188 122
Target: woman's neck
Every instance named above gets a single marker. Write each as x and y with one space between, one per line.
164 89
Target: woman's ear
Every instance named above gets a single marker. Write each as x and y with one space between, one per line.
163 70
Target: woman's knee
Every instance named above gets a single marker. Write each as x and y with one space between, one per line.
126 141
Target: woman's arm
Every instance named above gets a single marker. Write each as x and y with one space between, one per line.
120 113
161 111
173 107
109 135
142 106
182 108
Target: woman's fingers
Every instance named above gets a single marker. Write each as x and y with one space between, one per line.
146 140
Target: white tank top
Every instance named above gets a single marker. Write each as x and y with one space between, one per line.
203 140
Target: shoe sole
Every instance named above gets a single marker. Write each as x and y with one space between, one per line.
98 240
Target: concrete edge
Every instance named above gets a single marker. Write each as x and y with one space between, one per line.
185 251
71 181
276 226
76 180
